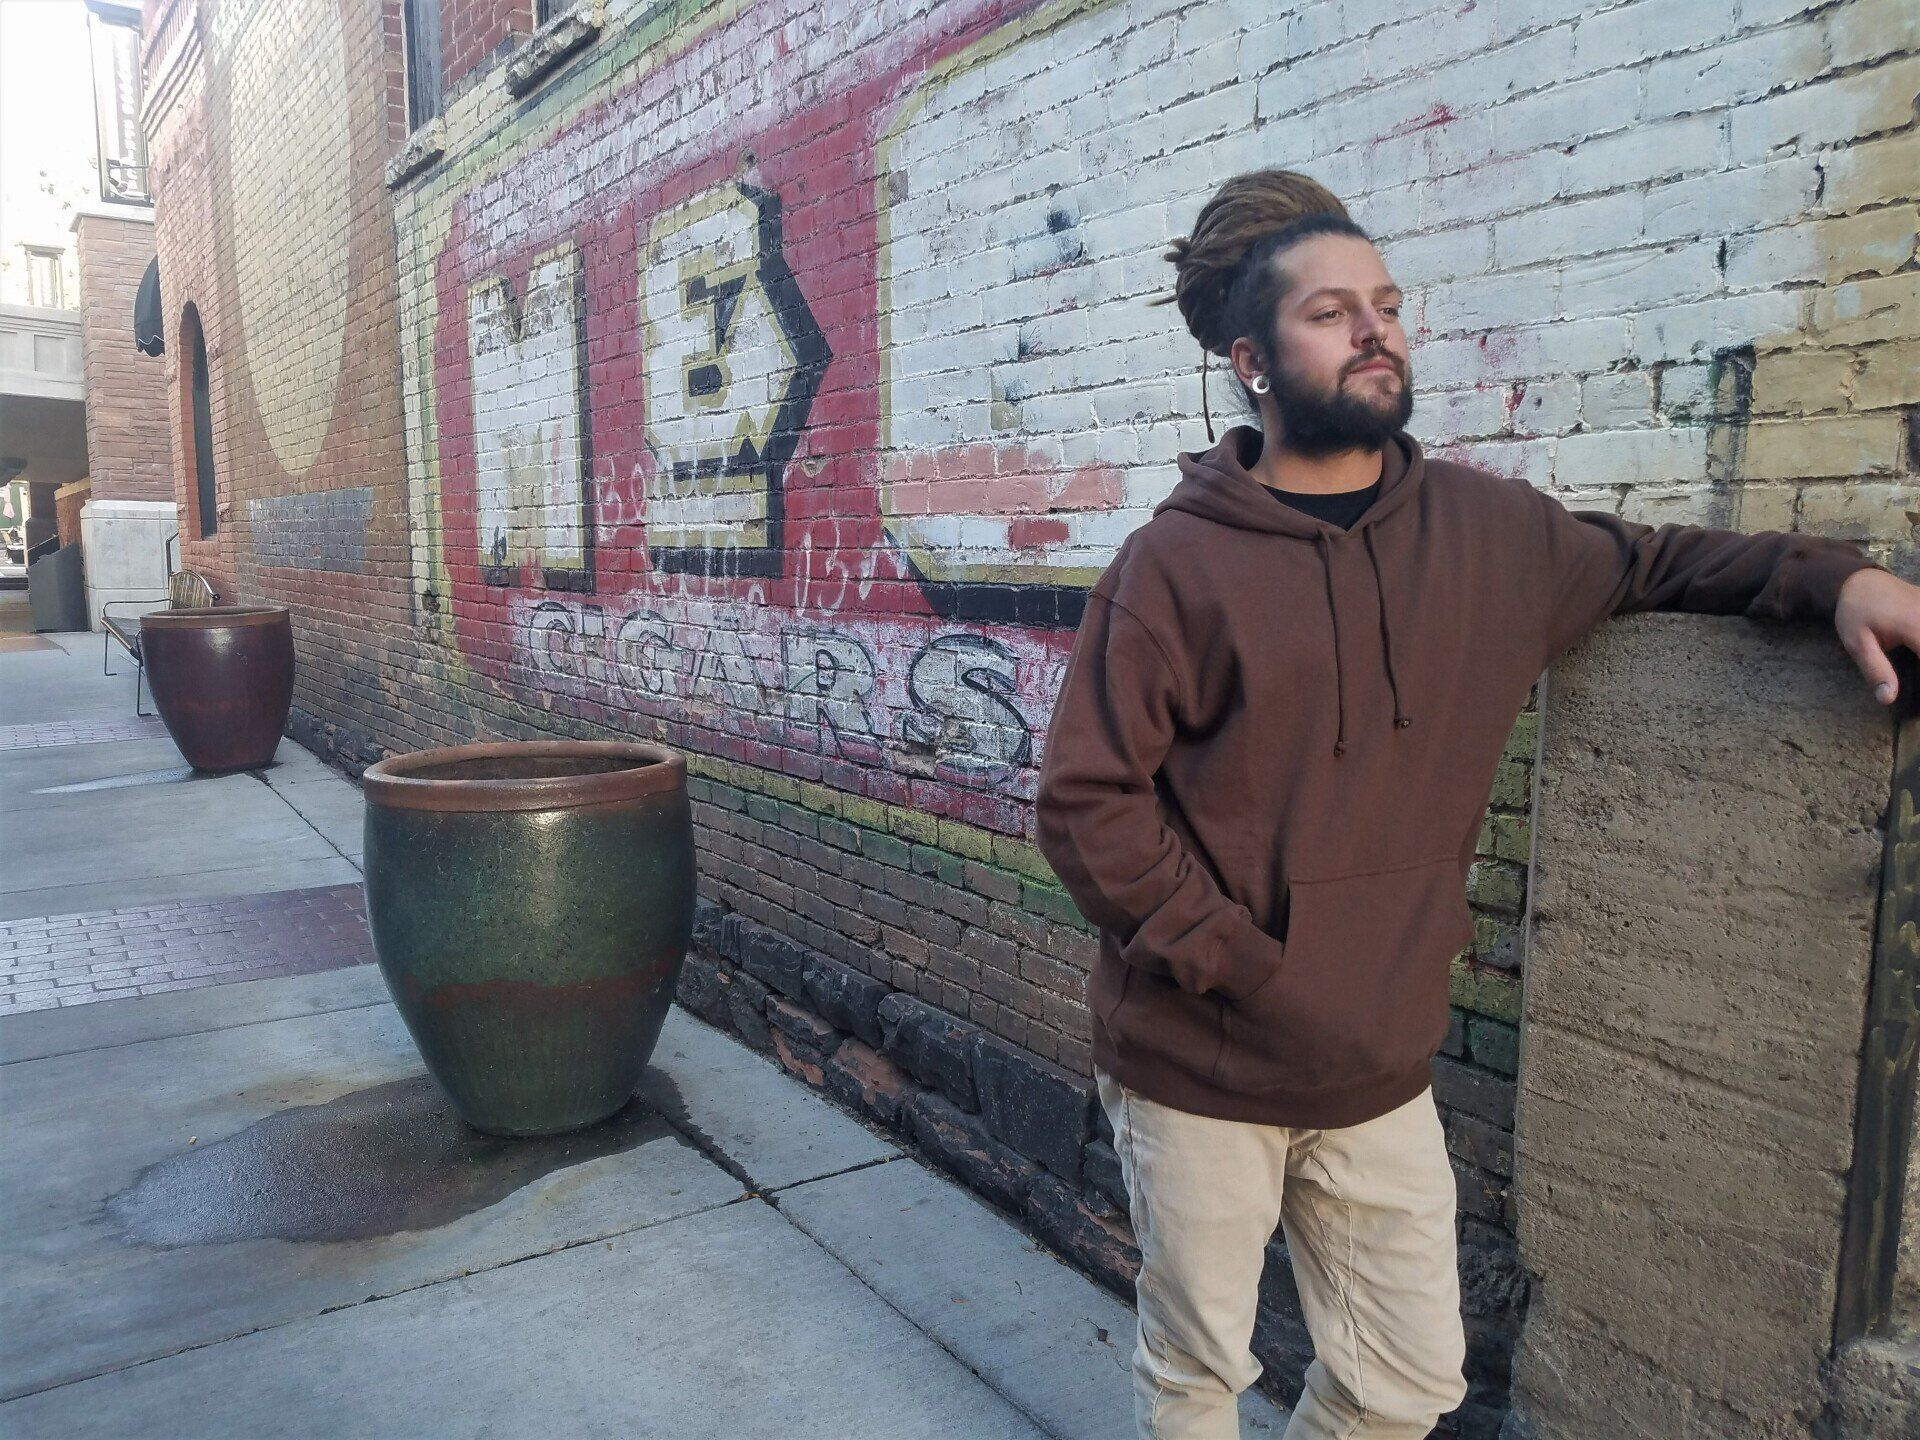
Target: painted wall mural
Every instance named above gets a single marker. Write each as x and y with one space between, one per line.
685 466
733 359
859 347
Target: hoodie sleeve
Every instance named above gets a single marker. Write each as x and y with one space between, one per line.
1099 822
1596 565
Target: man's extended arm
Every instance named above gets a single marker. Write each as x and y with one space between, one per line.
1099 820
1595 565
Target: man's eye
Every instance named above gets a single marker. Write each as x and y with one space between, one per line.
1325 313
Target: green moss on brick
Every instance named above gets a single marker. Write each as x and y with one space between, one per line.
1511 837
869 814
1053 903
885 849
1524 738
1512 784
1024 859
951 869
781 787
1492 993
913 825
1495 884
799 819
726 797
967 840
1493 1044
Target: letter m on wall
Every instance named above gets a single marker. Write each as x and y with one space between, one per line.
532 466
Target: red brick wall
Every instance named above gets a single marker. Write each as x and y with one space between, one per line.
474 32
127 447
68 501
179 152
301 350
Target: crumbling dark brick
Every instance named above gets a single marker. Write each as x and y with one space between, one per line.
931 1046
1088 1232
861 1077
1033 1105
960 1143
746 1002
775 960
846 998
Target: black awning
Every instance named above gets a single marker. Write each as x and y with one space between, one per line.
148 335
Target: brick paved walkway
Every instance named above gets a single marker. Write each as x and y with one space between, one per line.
71 959
81 732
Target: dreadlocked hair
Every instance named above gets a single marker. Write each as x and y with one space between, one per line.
1224 280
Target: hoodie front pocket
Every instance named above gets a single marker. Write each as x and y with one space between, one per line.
1361 990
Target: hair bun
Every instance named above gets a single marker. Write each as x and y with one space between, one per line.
1242 211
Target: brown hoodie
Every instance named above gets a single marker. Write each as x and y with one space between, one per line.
1276 739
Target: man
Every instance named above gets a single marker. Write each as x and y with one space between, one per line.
1266 772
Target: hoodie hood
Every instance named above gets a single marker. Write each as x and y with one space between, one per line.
1215 484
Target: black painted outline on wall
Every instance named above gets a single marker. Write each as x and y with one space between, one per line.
1044 607
811 358
581 578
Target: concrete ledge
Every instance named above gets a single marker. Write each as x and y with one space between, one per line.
424 146
549 47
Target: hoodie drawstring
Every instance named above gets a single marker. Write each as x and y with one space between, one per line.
1401 720
1333 612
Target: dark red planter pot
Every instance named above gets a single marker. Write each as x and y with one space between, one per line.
222 679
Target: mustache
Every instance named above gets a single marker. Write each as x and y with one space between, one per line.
1374 359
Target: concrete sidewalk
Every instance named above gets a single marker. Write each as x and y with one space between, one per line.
236 1206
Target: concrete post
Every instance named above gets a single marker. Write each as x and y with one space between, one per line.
1708 859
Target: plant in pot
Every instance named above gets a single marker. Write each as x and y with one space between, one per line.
531 906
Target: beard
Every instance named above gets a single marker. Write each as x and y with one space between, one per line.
1316 423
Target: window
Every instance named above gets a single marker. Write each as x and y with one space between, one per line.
46 282
545 10
420 26
114 35
207 499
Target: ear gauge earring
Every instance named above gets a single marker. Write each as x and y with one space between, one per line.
1259 385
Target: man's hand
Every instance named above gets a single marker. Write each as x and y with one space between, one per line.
1876 611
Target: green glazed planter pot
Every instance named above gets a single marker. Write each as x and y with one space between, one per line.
531 907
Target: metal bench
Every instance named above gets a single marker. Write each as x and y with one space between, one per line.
186 590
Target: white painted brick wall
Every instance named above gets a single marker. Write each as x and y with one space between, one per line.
1589 203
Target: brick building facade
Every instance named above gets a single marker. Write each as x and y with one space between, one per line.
125 515
126 410
772 381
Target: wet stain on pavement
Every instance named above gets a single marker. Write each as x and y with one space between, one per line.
662 1092
375 1162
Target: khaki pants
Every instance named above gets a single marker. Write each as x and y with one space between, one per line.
1368 1212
